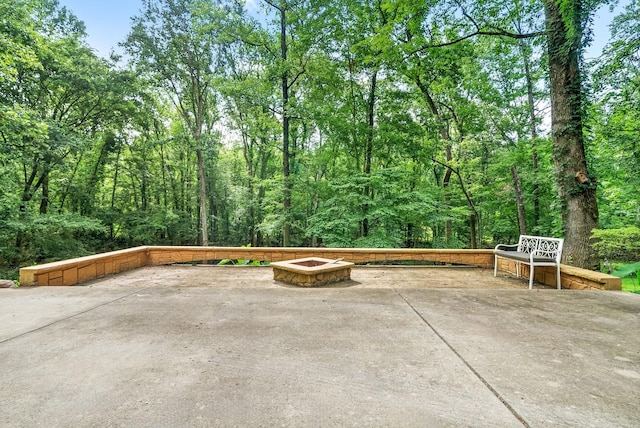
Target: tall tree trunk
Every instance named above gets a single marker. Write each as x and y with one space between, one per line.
163 168
144 186
204 227
536 187
410 240
446 181
533 125
115 178
473 232
354 113
248 155
264 165
286 203
517 186
44 202
474 216
368 151
316 203
577 192
446 137
70 180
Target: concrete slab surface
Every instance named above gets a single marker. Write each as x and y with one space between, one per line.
394 347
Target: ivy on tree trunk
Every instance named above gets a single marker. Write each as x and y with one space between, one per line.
578 196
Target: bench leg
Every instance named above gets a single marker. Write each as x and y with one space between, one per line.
495 266
530 277
558 277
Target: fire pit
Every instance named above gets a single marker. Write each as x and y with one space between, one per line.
311 271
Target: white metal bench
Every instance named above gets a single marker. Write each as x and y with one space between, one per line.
533 251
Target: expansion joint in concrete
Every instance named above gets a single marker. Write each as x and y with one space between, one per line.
465 362
67 318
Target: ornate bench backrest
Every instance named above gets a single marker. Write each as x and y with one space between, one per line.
543 246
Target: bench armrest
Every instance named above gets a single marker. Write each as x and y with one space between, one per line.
505 246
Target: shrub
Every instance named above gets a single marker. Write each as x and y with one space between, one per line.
617 244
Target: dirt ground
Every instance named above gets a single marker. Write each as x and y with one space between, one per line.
361 277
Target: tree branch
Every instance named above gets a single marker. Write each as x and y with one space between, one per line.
499 32
462 186
490 30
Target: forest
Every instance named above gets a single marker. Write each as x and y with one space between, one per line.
335 123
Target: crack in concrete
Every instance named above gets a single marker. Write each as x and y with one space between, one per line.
67 317
465 362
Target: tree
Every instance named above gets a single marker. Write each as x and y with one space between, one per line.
56 97
299 34
247 95
176 43
614 124
400 123
565 24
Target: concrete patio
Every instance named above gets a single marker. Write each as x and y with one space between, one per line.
201 346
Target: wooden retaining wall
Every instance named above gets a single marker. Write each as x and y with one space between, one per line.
83 269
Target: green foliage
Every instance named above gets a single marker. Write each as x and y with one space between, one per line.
397 135
162 227
626 270
630 274
631 284
46 238
617 244
241 262
339 221
614 124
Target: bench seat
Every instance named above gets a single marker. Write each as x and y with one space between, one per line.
523 257
533 251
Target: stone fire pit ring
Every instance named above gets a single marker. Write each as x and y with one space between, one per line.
311 271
